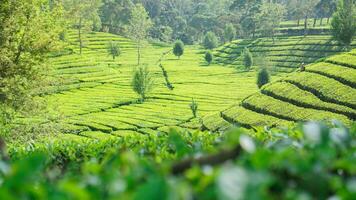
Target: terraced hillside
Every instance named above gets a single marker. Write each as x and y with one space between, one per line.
325 91
284 54
94 93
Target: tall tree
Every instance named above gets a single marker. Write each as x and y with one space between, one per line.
83 15
115 14
248 10
29 29
138 27
270 17
343 22
307 7
229 32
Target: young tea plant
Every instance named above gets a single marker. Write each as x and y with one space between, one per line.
194 108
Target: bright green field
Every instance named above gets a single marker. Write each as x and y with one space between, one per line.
325 91
284 54
93 93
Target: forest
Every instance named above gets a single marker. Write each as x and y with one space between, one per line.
178 99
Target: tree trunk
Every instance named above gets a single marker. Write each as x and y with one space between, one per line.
138 53
298 22
305 25
321 21
314 22
80 36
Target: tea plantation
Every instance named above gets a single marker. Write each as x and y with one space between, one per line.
325 90
93 93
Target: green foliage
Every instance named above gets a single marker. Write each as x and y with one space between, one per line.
281 54
208 57
114 49
247 58
270 17
194 108
27 34
262 77
178 48
210 40
262 169
142 82
343 22
83 15
229 32
139 25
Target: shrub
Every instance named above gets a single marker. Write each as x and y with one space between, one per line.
208 57
229 32
343 22
142 82
178 49
194 107
262 77
210 41
114 50
247 58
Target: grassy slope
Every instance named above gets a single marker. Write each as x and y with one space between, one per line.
284 54
94 96
326 90
96 100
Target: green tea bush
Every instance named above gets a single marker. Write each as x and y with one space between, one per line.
309 161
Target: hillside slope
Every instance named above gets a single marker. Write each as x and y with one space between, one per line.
284 54
93 92
325 91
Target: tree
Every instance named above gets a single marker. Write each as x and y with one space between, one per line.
178 49
29 30
270 17
307 7
115 15
142 82
194 108
343 22
139 25
248 10
229 32
83 15
210 40
262 77
114 49
247 58
208 57
325 8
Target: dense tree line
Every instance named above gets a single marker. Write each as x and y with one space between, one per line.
190 20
